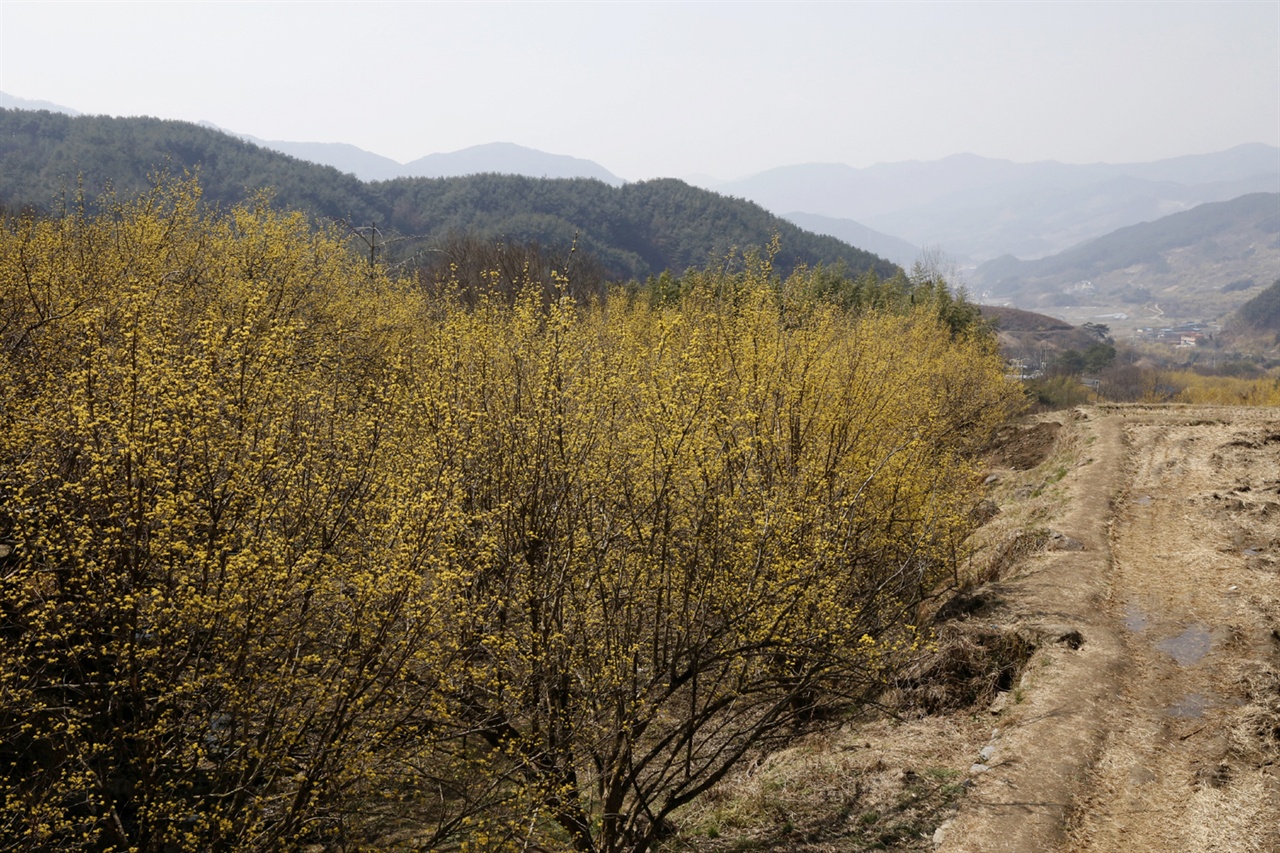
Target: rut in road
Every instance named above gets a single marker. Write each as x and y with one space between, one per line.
1192 586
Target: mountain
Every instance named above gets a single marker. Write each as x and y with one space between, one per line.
979 208
1197 264
901 252
12 102
1036 339
1039 222
365 165
635 230
504 158
49 157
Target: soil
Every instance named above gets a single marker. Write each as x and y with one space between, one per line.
1022 447
1157 727
1107 679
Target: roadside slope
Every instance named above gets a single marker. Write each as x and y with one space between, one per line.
1051 734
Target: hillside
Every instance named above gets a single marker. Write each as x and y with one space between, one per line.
1199 264
1037 339
48 155
1256 324
635 230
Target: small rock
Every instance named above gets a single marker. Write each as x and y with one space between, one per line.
1062 542
986 752
978 768
991 480
940 834
1001 702
1070 639
995 733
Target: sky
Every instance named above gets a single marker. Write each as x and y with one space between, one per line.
679 89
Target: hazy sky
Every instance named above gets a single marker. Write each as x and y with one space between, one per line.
679 88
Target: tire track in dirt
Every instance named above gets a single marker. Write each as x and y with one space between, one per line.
1160 732
1199 504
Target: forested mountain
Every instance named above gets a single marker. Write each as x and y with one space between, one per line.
47 156
1200 263
635 230
1262 312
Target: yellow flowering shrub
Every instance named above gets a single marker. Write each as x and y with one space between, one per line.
1220 390
293 551
214 559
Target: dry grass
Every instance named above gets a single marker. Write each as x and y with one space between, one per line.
1256 734
887 780
1235 817
967 665
877 784
1027 497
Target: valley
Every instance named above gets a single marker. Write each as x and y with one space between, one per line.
1098 667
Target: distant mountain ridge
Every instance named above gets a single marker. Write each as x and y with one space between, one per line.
507 158
979 208
899 251
12 102
342 156
969 208
500 158
635 230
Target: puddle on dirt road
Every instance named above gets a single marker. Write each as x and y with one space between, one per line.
1134 619
1189 707
1189 647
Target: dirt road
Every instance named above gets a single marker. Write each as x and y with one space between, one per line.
1149 718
